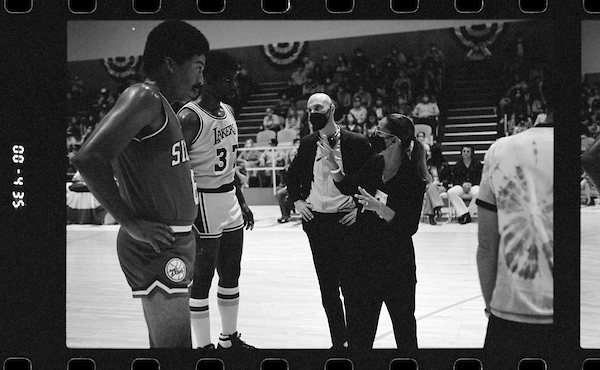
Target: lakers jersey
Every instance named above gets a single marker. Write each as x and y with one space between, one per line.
155 177
213 151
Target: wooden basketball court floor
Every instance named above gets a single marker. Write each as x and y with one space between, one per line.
280 304
590 277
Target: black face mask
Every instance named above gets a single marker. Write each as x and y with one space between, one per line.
318 120
377 143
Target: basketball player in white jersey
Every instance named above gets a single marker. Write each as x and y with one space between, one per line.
210 131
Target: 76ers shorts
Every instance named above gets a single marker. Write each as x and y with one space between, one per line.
218 213
171 270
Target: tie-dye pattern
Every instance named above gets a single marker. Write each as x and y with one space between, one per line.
518 179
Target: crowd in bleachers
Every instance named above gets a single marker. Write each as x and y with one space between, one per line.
363 89
522 103
589 131
86 108
590 113
522 76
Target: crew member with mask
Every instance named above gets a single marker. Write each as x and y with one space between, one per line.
390 197
327 156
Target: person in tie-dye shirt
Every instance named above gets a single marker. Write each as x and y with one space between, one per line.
515 258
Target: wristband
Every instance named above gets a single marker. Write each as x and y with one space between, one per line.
339 169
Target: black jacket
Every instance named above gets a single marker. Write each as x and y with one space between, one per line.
405 196
386 248
462 173
356 151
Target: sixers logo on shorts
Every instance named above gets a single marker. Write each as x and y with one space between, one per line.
175 270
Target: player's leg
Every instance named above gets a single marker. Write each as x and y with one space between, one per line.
229 269
168 320
228 293
162 282
207 250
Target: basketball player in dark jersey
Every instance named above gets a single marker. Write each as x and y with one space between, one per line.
210 131
141 144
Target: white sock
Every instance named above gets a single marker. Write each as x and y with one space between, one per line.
228 301
200 319
224 341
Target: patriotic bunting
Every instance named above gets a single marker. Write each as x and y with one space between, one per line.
284 54
122 68
485 34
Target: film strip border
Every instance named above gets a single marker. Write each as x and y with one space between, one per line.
89 359
284 6
282 364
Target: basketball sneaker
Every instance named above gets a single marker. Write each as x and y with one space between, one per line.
236 342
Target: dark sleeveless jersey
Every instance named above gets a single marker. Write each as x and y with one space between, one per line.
155 176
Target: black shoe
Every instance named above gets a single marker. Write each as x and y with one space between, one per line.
236 343
208 346
283 220
339 347
432 220
464 219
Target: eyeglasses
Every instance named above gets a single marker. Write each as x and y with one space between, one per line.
379 133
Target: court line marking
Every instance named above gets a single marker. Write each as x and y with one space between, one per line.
431 314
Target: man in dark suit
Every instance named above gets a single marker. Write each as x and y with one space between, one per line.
326 157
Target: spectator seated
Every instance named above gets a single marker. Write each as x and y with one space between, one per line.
265 137
287 136
425 129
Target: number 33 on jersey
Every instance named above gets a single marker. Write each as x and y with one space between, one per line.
214 149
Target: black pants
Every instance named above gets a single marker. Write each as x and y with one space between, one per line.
283 198
507 342
384 274
329 242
